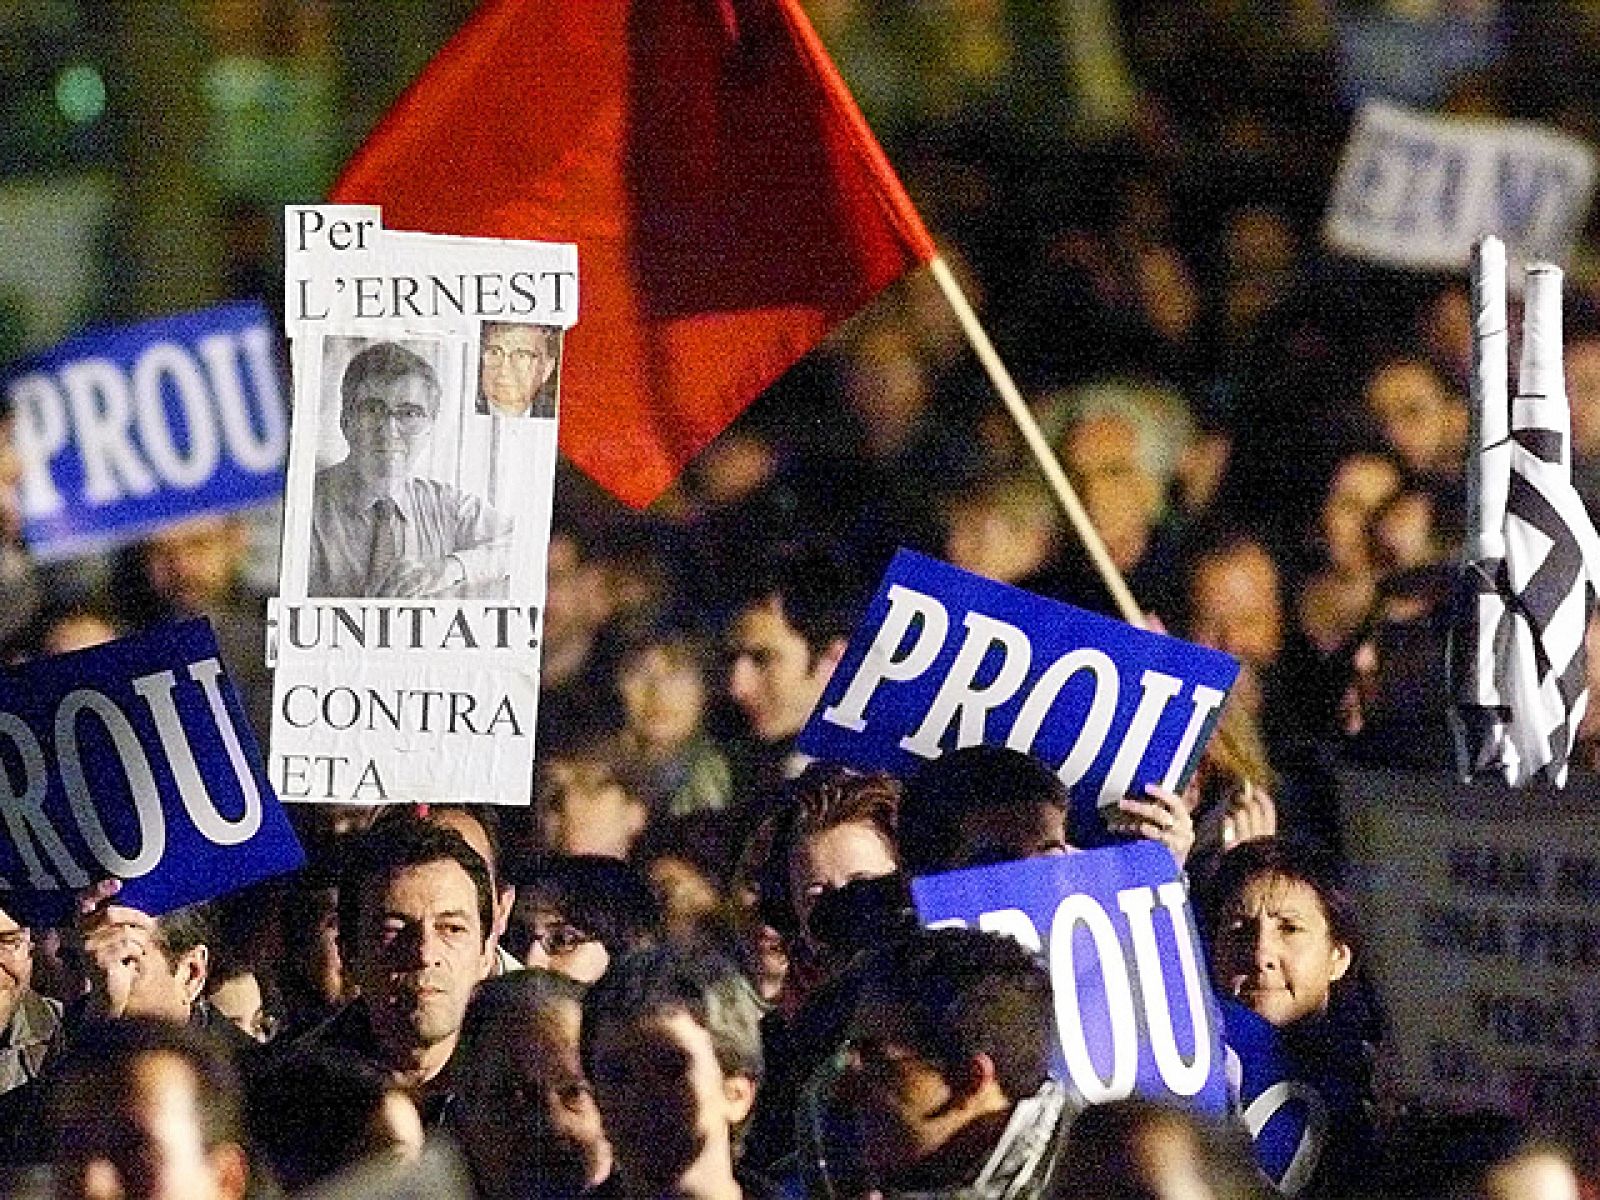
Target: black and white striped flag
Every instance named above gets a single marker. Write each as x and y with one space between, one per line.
1529 565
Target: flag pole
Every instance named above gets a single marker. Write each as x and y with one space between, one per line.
1127 605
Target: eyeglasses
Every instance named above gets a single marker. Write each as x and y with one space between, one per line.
15 942
409 417
561 939
521 357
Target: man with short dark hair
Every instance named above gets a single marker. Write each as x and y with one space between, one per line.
416 922
783 646
377 528
672 1043
146 1108
138 965
29 1022
949 1068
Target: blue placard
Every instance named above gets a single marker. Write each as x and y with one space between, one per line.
123 431
1135 1014
946 659
133 760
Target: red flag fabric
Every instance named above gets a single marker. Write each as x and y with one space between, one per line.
728 201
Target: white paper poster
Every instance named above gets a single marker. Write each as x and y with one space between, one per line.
417 509
1418 191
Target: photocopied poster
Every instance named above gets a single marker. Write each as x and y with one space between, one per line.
422 459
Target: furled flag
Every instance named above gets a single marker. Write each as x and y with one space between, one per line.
728 201
1528 582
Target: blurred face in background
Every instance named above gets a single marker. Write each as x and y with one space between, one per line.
193 565
1423 423
774 679
530 1126
664 696
1360 486
584 809
1234 605
1101 454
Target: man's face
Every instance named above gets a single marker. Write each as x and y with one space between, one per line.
1008 832
774 679
143 1142
1101 454
514 364
530 1125
193 564
387 423
10 477
905 1108
422 950
1418 417
16 965
662 1094
1234 607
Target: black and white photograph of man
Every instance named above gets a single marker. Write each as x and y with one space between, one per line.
378 528
518 369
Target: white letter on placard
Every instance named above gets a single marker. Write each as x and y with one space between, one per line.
1084 909
102 407
166 361
1313 1139
1158 689
141 784
957 696
1014 923
41 430
252 451
1096 723
1185 1079
1206 701
157 692
880 664
24 814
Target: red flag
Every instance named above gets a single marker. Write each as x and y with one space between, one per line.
728 201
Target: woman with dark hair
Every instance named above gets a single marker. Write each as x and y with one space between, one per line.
1283 945
837 827
1282 931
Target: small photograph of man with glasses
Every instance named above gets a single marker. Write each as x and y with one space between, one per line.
377 527
519 369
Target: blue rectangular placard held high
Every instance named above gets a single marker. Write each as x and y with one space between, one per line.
123 431
1135 1014
133 760
946 659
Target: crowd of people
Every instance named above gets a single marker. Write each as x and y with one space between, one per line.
688 967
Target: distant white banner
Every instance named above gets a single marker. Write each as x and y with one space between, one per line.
1415 191
1478 909
417 511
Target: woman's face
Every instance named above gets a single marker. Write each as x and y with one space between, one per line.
834 857
1274 952
665 697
